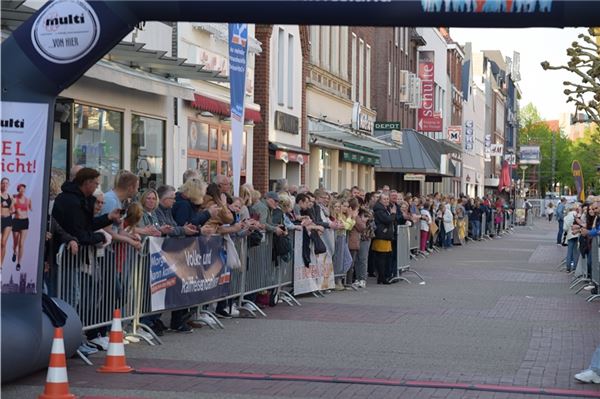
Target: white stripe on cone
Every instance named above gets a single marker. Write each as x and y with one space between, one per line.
58 346
116 349
116 325
57 375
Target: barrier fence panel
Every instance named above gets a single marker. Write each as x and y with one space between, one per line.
415 237
403 246
98 281
594 254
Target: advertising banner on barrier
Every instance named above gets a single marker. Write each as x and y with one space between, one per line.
187 271
319 274
23 154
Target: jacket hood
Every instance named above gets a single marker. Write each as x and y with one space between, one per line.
72 188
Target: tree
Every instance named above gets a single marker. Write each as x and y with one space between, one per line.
534 131
585 63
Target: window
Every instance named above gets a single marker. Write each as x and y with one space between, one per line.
147 150
353 68
341 176
344 52
213 170
197 136
368 78
335 48
280 65
325 41
396 36
201 165
214 139
225 139
361 71
406 31
225 168
325 177
314 44
97 141
389 85
290 72
395 82
400 38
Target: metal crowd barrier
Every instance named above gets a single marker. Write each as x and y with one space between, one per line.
98 281
414 239
595 255
403 254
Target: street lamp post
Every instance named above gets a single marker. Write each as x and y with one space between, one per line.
523 168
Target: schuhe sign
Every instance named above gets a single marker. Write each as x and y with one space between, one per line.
427 120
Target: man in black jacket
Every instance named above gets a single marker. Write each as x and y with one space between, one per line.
74 208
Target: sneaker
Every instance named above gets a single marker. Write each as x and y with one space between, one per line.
588 376
87 350
14 257
234 311
206 320
589 287
363 283
222 314
100 342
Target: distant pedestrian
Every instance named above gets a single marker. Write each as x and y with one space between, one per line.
560 218
550 211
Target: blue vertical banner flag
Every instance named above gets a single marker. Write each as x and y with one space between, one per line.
238 51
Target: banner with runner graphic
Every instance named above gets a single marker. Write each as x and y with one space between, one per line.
319 273
187 271
23 133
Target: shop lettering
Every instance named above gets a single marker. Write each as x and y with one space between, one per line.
485 6
427 90
68 20
13 149
14 123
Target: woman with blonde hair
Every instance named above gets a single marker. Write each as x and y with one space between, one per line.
188 201
149 224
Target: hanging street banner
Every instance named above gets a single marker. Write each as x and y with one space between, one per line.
317 276
187 271
23 131
238 51
427 120
578 178
455 134
469 136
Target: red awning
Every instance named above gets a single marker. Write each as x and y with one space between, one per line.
222 108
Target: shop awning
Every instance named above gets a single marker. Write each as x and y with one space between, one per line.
273 146
419 154
138 80
222 108
157 62
327 130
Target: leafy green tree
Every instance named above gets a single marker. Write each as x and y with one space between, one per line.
534 131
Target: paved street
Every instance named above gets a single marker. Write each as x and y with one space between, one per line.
496 312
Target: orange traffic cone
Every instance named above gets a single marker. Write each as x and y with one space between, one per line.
57 383
115 357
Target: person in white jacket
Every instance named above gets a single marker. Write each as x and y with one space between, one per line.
572 238
448 220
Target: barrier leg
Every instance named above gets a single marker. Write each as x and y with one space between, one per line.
84 358
289 298
592 298
252 306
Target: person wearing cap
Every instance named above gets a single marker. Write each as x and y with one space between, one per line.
264 208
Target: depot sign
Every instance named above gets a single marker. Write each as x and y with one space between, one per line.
428 121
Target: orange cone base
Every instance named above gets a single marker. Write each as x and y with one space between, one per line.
57 396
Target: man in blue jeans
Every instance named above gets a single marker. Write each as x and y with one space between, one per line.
560 217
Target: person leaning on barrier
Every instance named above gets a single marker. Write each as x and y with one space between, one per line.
214 197
264 208
384 234
74 208
149 224
186 209
164 214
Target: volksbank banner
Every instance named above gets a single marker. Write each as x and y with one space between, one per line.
187 271
238 51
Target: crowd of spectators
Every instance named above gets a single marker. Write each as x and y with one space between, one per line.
357 228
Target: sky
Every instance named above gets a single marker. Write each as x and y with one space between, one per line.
542 88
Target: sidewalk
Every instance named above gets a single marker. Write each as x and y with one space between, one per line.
496 312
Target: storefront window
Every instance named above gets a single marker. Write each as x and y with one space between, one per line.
225 138
325 177
147 149
225 168
97 141
214 139
197 136
201 165
213 171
